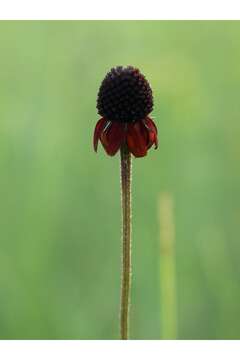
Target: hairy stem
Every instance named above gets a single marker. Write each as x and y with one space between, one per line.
126 240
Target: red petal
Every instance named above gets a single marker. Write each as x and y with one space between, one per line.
137 139
113 136
97 132
152 132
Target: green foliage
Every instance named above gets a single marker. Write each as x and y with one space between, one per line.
60 202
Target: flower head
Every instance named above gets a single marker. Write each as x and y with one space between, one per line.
125 101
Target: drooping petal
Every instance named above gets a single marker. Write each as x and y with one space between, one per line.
112 137
137 139
152 132
97 132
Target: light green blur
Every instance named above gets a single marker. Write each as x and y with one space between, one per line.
60 203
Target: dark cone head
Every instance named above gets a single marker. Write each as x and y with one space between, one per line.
124 95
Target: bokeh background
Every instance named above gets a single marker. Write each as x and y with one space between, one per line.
60 218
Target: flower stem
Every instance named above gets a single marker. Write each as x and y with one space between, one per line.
126 240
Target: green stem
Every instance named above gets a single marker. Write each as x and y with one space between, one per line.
126 240
168 293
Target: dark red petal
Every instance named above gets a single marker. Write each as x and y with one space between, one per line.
137 139
97 132
113 136
152 132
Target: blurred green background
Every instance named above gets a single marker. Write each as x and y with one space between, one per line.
60 202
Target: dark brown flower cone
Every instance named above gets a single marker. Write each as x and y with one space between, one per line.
124 95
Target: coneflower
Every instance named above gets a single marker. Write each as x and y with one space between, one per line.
125 101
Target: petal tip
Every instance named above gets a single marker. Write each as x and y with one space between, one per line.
97 132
